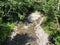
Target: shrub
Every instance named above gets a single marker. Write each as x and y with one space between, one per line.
5 31
55 37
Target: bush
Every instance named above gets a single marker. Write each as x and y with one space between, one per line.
5 31
55 37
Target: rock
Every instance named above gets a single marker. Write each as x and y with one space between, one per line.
49 43
27 44
26 27
34 16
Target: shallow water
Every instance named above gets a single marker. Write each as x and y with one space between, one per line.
32 34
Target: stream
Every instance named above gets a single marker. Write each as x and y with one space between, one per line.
34 29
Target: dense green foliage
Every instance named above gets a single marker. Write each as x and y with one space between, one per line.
12 11
5 31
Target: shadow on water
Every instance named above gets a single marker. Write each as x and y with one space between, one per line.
20 40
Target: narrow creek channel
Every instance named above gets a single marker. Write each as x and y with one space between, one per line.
27 33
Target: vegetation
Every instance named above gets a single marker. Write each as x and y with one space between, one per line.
12 11
5 31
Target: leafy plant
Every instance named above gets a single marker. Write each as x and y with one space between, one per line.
5 31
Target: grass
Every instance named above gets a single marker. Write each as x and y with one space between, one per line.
5 30
49 27
12 25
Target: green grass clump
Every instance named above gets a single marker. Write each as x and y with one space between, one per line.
5 31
